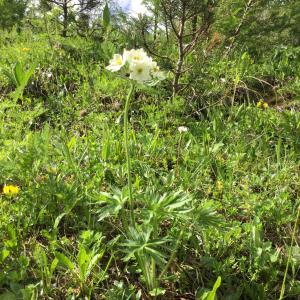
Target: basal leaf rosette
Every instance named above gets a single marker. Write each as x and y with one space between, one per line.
140 66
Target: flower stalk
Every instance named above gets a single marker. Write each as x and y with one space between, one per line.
143 70
127 151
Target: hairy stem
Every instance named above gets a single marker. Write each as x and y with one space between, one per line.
127 152
172 257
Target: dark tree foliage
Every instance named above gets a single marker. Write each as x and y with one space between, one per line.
11 12
70 8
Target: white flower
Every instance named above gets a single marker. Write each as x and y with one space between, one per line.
182 129
116 63
135 55
141 67
140 71
158 75
155 71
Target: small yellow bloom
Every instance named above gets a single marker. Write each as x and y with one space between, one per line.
208 190
25 49
10 190
219 186
259 103
262 103
265 105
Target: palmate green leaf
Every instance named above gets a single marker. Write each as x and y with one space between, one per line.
10 76
111 204
207 216
159 257
174 204
174 201
139 243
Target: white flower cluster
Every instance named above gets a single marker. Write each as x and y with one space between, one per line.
182 129
141 67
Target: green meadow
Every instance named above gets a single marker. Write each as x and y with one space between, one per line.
171 172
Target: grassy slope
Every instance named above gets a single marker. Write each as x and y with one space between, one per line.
63 146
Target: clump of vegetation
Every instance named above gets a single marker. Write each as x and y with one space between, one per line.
169 171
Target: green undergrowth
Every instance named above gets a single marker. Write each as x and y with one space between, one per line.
214 205
227 190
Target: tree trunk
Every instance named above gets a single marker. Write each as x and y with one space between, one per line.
155 24
166 28
178 72
194 26
181 54
65 19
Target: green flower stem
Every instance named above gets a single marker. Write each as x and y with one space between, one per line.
178 155
172 257
126 142
289 256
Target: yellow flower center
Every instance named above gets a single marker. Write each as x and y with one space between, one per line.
140 70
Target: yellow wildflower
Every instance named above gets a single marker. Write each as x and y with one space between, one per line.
208 190
262 103
259 103
10 190
25 49
265 105
219 186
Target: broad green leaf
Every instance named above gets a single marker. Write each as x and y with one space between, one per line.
106 16
8 296
53 265
64 261
57 221
4 254
93 263
212 294
82 256
19 74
